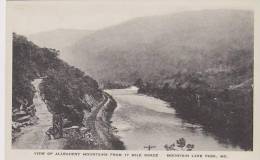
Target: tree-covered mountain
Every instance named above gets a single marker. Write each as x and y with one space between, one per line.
72 97
63 86
158 47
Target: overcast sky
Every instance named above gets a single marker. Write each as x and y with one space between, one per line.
37 16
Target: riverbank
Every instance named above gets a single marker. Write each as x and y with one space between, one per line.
216 111
104 127
100 132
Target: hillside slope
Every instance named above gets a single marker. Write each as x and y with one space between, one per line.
63 88
155 48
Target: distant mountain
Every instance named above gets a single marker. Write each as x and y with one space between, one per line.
59 38
157 48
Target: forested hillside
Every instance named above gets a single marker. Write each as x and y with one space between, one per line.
63 86
158 47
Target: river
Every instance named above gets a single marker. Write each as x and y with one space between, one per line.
143 120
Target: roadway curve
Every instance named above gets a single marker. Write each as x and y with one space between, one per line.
34 137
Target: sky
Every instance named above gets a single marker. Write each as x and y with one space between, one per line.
29 17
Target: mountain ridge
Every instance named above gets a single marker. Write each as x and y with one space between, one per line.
163 44
58 38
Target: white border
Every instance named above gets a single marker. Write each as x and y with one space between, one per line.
234 155
2 79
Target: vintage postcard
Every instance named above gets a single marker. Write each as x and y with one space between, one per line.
132 80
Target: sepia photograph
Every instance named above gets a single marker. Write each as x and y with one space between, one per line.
146 76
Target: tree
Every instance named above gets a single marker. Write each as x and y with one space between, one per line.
139 83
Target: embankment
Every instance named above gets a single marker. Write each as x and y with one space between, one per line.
103 125
100 132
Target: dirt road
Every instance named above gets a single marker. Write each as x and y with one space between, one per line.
34 137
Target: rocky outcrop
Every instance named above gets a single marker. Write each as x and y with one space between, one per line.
22 118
